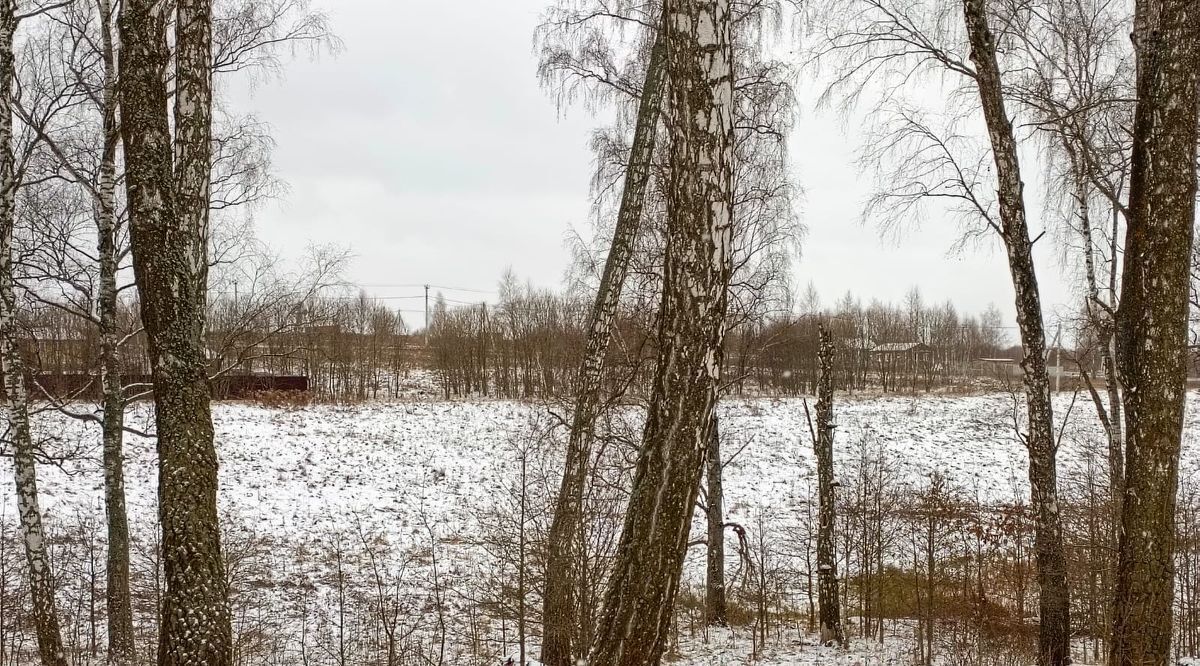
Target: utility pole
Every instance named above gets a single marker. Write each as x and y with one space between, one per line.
483 347
426 315
1055 348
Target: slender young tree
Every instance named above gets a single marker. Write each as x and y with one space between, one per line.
168 210
716 610
827 577
51 255
1054 632
12 366
1078 86
890 42
559 608
1152 324
641 591
117 596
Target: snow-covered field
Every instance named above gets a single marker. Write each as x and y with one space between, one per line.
286 469
423 472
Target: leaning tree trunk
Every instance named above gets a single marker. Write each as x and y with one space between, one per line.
716 611
168 210
1054 636
641 591
1152 324
1116 462
827 578
41 576
117 596
1116 432
559 609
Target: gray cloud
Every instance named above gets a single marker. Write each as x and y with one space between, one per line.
428 147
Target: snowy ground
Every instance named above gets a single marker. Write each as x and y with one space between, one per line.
287 470
725 648
421 471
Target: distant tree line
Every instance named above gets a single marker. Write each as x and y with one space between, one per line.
528 345
349 348
905 347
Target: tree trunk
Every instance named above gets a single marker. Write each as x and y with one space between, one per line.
1152 324
641 591
117 597
559 609
931 570
41 576
715 611
168 208
1054 636
521 591
1116 437
1111 372
827 578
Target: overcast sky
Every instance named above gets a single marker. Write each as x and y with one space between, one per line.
427 147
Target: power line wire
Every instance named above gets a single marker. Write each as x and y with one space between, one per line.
431 286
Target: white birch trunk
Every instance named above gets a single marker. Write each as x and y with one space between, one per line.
33 536
641 591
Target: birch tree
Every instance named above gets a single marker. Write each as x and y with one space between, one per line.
559 609
12 366
641 590
599 51
79 71
827 576
583 56
1077 87
168 209
888 41
716 609
1054 636
1152 324
109 251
